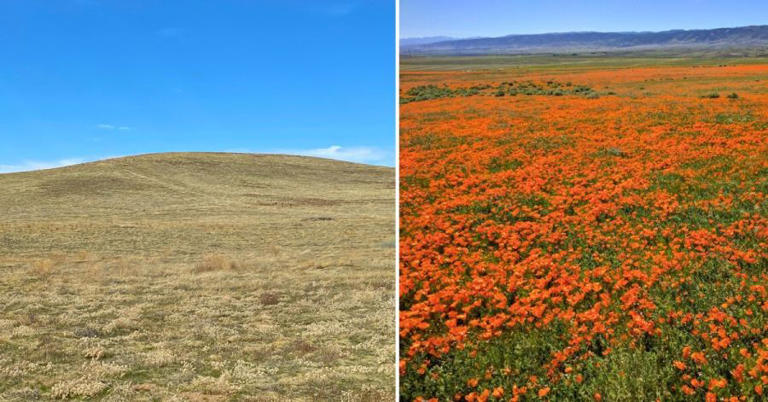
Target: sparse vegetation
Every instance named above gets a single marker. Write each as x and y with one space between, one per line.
215 262
185 277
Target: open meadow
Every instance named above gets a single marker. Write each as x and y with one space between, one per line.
584 228
198 277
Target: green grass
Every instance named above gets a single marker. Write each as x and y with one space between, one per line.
583 61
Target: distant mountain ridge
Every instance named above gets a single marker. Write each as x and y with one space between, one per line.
426 40
741 37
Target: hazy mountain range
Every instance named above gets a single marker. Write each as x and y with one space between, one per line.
721 38
426 40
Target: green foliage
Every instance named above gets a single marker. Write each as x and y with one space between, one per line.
507 88
427 92
499 164
730 118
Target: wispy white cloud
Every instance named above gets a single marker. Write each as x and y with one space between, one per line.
30 165
26 166
111 127
360 154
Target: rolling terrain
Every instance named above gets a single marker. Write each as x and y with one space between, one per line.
721 38
193 276
424 40
583 229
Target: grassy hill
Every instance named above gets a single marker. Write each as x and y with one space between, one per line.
200 276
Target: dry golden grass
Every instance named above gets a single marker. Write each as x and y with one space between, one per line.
42 266
215 262
198 277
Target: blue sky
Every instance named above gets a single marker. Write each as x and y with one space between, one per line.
460 18
86 79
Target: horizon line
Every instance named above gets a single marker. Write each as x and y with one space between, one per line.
454 38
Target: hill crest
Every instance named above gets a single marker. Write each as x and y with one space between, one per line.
720 38
181 182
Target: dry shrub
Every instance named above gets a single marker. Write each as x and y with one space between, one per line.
87 332
303 347
94 353
83 387
160 358
269 299
120 324
215 263
327 356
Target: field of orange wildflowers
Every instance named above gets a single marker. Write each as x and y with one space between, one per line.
559 246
